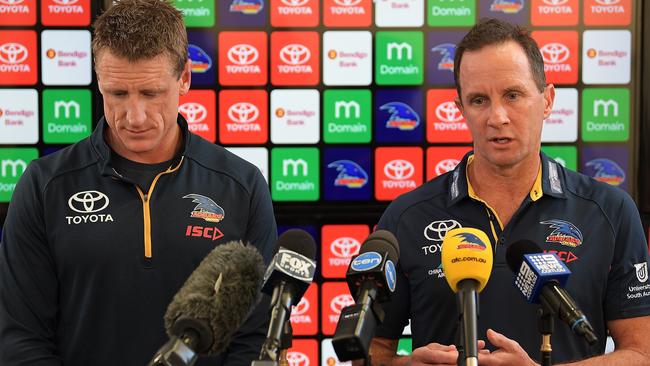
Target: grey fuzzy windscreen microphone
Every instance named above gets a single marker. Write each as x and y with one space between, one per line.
217 298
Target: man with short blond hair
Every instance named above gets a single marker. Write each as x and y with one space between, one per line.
100 235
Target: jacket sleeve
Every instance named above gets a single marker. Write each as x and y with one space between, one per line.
261 232
628 287
28 281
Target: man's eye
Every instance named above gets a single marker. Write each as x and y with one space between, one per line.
478 101
512 96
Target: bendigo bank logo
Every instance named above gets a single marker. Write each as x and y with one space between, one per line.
350 175
507 6
607 171
564 233
402 116
88 204
447 51
246 6
470 241
201 61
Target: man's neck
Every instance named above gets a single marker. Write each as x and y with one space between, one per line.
167 150
503 188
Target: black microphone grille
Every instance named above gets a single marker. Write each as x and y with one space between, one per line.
298 241
515 252
382 240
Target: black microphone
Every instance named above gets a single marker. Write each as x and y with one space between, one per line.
286 279
371 278
540 277
212 304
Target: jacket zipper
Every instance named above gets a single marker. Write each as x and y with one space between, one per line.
146 208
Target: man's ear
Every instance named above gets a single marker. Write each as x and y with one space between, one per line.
549 98
186 78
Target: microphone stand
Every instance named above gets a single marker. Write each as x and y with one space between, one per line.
546 325
286 341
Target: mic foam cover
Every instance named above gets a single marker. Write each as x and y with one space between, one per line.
298 241
466 254
381 241
516 251
221 292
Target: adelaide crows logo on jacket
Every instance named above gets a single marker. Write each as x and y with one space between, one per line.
564 233
206 209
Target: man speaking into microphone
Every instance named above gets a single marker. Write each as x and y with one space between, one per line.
510 190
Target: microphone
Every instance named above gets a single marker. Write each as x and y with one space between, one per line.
540 277
286 280
212 304
467 264
371 279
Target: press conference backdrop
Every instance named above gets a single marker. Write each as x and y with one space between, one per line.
342 104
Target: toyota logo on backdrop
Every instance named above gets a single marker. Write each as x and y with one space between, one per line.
399 169
555 2
347 2
295 358
243 112
555 53
88 201
243 54
13 53
446 165
193 112
11 2
295 54
295 2
437 230
448 112
65 2
341 301
608 2
345 247
301 308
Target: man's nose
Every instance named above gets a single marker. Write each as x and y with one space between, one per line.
498 115
135 112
